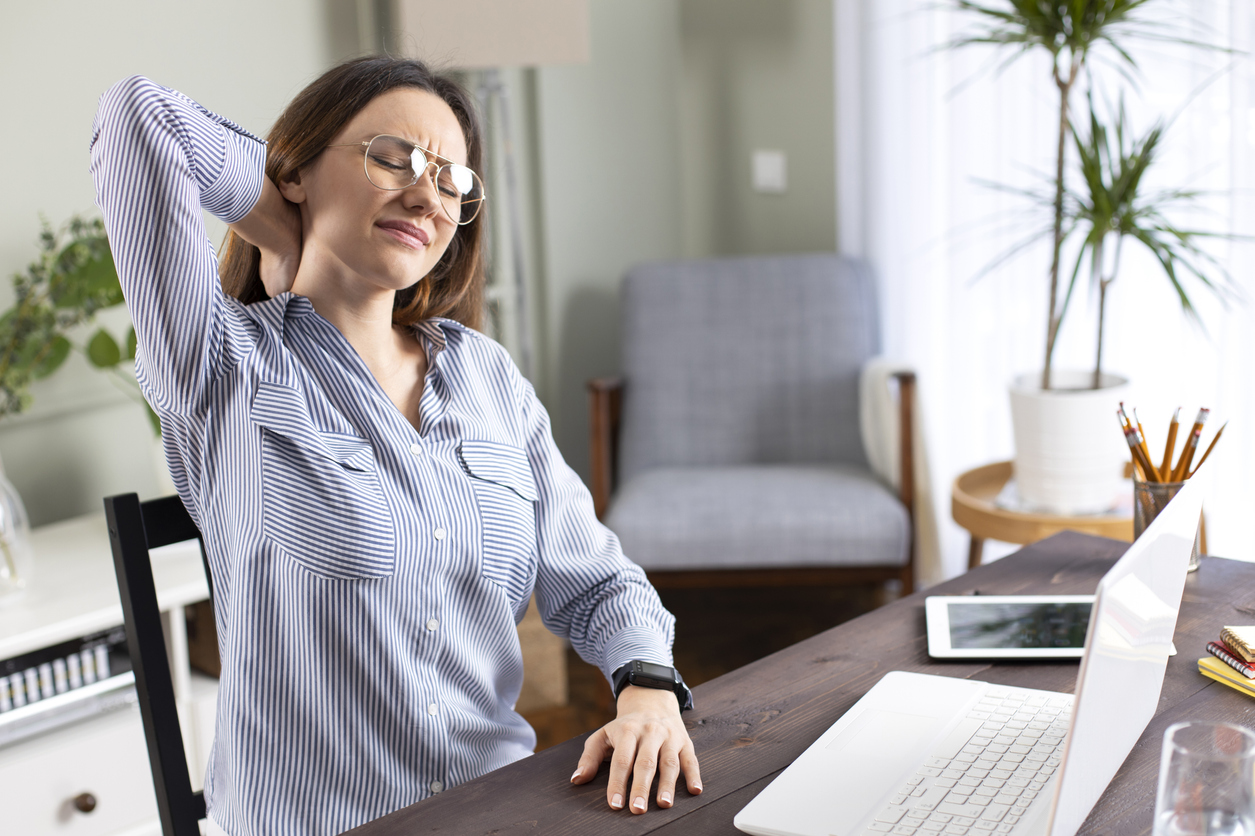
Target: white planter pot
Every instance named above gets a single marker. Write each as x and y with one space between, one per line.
1069 451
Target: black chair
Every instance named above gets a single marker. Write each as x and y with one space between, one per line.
134 528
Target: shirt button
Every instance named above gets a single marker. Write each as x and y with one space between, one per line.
431 709
432 624
438 533
436 786
416 449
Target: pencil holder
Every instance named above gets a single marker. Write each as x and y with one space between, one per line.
1149 498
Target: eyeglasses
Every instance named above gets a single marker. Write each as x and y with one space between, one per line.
393 164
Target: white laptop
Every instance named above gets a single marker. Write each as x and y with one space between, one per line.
923 755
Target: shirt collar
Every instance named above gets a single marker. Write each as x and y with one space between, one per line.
431 336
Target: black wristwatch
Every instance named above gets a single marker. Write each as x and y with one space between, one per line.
650 675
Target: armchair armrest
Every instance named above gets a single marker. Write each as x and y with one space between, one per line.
906 449
605 399
906 463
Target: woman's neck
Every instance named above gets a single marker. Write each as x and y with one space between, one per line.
362 313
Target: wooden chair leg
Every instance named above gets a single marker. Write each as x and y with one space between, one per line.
975 552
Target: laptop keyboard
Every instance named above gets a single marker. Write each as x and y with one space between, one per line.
986 773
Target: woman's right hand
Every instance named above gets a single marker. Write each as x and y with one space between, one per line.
273 226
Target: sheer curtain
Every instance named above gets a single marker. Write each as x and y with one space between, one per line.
923 130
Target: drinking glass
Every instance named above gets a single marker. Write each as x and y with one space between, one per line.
1206 781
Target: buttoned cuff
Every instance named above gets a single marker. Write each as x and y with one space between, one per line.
237 188
635 643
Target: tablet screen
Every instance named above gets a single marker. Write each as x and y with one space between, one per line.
976 624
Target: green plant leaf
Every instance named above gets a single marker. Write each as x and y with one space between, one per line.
91 283
54 356
103 351
131 343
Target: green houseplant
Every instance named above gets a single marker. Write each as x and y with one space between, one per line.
1068 30
55 300
1067 459
1112 204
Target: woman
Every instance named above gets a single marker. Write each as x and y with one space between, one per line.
377 485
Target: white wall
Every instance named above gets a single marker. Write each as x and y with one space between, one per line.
84 438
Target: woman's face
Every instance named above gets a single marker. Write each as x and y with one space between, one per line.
387 239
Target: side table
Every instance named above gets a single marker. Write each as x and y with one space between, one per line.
972 506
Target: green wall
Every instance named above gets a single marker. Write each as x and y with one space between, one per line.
644 153
83 438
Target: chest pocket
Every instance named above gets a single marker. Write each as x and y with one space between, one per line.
506 493
323 502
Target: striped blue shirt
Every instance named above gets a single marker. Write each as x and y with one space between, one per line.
367 577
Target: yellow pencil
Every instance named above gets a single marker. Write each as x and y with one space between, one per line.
1209 446
1141 438
1191 446
1165 469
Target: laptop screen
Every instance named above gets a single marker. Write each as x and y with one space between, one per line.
1127 649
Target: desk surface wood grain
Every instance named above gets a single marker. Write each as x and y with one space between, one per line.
753 722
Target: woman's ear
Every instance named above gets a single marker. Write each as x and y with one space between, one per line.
292 189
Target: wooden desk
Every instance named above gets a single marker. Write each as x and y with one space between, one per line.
972 506
751 723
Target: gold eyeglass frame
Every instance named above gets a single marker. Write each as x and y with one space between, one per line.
427 155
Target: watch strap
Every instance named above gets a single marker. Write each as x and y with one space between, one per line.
622 677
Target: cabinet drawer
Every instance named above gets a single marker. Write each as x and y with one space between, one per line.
104 756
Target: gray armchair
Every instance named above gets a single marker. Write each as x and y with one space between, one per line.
729 454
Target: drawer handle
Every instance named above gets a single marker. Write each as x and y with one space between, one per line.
85 802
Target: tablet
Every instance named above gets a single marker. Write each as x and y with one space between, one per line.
1007 626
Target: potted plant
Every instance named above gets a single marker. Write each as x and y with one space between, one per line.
1067 460
1112 204
56 297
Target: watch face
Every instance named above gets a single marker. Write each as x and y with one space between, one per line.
650 670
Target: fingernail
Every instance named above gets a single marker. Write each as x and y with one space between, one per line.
665 798
617 801
575 774
638 804
698 786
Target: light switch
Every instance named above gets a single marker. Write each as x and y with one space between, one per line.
770 171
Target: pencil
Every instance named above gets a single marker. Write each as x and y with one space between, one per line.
1207 452
1191 446
1139 458
1142 441
1136 439
1165 469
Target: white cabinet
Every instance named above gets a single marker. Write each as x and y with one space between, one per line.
104 758
74 593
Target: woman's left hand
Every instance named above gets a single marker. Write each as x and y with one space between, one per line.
648 736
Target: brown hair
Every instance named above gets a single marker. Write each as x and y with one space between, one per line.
455 286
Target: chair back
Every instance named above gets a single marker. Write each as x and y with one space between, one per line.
134 528
747 360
